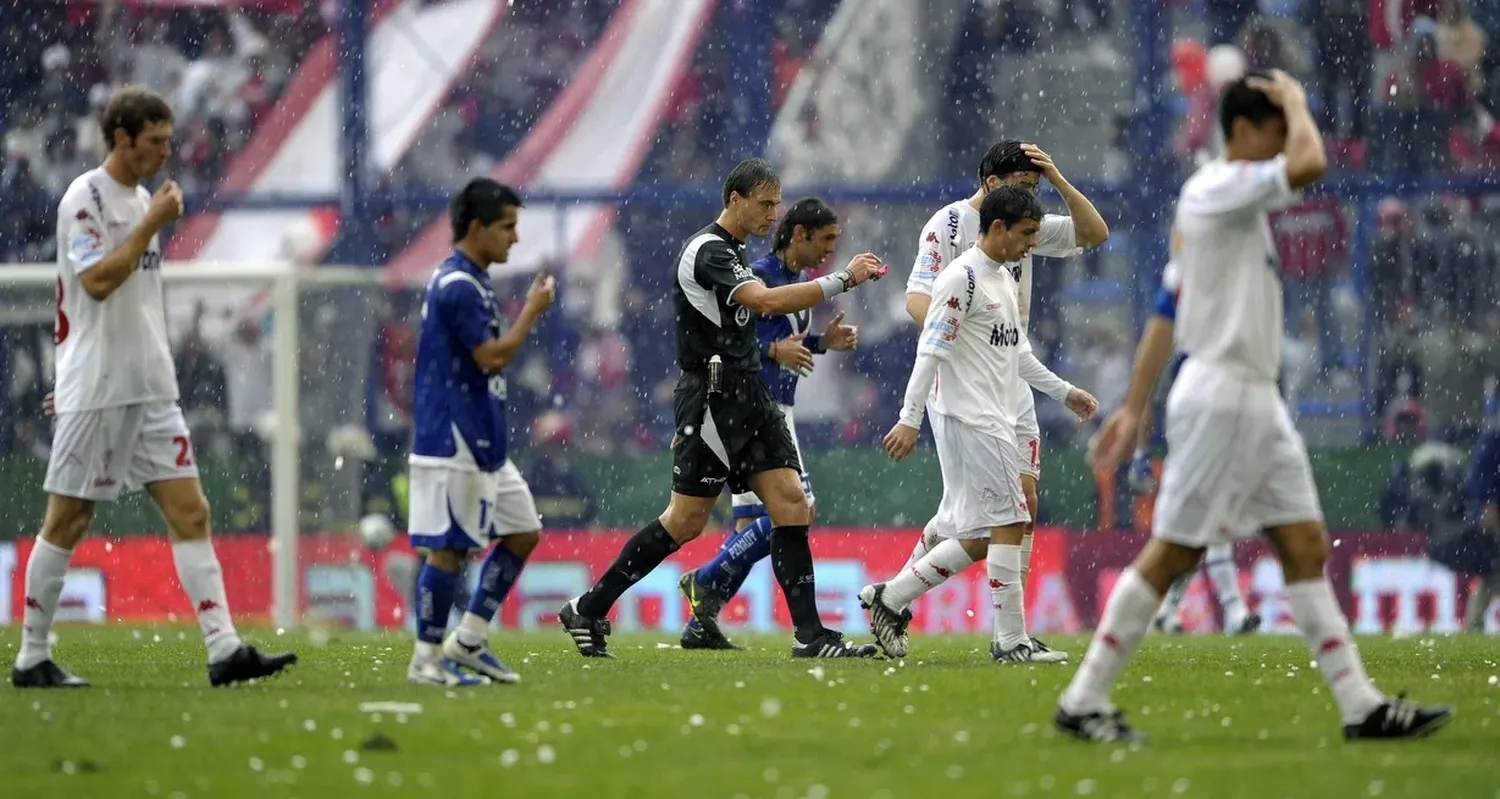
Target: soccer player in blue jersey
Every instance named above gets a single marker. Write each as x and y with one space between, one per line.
464 491
805 238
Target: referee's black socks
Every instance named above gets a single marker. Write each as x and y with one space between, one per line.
643 552
791 559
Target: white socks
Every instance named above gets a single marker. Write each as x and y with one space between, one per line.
1004 565
203 580
1025 559
1127 616
473 629
45 570
1219 563
942 561
1326 632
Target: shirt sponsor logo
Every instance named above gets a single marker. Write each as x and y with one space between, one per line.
1005 335
930 262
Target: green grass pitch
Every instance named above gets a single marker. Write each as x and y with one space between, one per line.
1229 717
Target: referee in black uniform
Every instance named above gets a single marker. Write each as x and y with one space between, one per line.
729 430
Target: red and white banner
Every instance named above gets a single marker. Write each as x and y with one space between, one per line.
1382 580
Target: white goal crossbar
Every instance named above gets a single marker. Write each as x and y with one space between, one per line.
286 281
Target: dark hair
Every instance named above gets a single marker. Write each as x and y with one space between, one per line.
1010 205
809 212
1005 158
132 109
747 176
483 200
1240 100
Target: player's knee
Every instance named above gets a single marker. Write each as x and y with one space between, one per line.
448 560
685 521
1302 549
67 521
187 517
522 543
1161 563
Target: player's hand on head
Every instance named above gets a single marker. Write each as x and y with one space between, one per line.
1082 404
542 292
1041 160
792 354
1108 447
1281 88
900 441
839 337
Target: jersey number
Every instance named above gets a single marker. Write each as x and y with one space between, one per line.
61 331
184 451
484 516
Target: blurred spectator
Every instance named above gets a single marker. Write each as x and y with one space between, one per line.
1391 254
1426 490
1461 41
1310 243
1483 490
1345 62
562 498
1426 95
1226 18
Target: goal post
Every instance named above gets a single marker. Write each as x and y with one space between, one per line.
240 290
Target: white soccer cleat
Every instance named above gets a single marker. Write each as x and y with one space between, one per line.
442 672
1041 653
479 659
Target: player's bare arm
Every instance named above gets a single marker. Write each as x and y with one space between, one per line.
101 281
497 353
796 297
1089 226
1306 160
792 353
1115 439
916 307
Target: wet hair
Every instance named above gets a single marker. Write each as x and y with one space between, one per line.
1003 159
484 201
1009 205
747 176
809 212
132 109
1240 100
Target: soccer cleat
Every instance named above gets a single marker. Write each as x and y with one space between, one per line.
442 672
705 608
1041 653
1397 719
1248 625
831 644
696 637
588 634
1167 626
478 659
1020 653
888 625
46 674
1097 727
246 664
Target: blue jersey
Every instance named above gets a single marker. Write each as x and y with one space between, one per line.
459 411
770 329
1166 308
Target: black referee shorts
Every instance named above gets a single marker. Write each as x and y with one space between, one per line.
728 437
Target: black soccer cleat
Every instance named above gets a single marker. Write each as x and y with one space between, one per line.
46 674
1097 727
1250 625
831 644
706 609
886 623
1399 719
246 664
588 634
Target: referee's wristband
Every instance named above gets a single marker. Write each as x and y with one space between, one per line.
835 283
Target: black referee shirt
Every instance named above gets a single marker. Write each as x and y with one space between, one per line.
711 266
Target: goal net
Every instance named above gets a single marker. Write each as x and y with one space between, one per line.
295 383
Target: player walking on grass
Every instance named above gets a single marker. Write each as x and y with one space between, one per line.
949 233
1218 559
805 238
118 423
465 492
1235 461
729 429
966 368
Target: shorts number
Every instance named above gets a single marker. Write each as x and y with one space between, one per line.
184 451
484 515
1035 452
61 331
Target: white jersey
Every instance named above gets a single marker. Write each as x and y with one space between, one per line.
115 352
1229 303
973 330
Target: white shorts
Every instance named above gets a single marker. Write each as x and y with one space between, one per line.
456 509
981 481
1235 464
1028 436
97 454
747 505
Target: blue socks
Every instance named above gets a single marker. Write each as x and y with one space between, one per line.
724 575
435 591
496 577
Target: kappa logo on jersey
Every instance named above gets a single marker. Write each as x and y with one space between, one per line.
1005 335
82 215
932 238
953 303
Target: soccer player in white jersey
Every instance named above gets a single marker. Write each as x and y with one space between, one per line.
950 232
1235 462
118 424
965 373
1218 559
465 492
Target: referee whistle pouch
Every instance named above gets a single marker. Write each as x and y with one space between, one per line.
715 375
